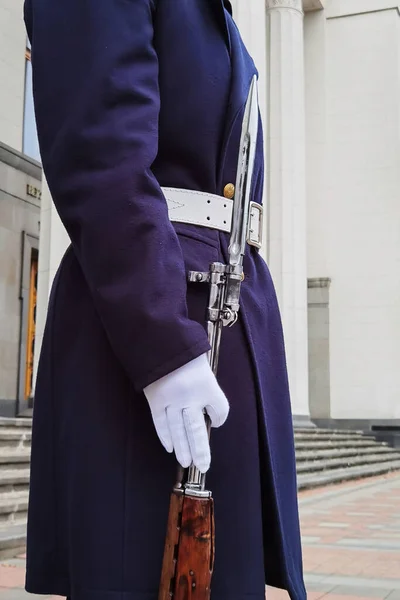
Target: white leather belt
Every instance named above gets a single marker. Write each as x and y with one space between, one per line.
210 210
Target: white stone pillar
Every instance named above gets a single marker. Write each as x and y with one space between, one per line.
250 19
53 242
285 181
249 16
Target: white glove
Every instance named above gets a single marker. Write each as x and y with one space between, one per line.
177 402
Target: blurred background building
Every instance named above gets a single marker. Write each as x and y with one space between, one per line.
20 192
330 99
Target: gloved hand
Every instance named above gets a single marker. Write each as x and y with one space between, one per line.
177 402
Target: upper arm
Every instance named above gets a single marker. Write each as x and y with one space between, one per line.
95 81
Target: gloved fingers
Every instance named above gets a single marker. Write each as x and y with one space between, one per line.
198 438
179 436
162 429
218 411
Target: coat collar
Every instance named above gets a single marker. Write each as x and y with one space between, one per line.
219 10
228 6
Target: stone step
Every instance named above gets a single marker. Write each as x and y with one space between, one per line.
329 443
312 480
12 540
9 456
15 432
18 471
310 431
18 423
15 438
14 480
337 463
316 437
309 454
13 508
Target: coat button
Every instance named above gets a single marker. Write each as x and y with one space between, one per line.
229 191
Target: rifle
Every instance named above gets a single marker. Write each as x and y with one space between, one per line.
189 547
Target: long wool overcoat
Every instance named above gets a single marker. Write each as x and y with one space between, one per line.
131 95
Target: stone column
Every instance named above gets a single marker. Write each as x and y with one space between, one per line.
285 181
249 16
52 245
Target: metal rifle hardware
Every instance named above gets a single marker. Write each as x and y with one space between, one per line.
225 279
188 560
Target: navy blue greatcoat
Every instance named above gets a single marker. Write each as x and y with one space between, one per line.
131 95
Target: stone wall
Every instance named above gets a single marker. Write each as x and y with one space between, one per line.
12 72
20 183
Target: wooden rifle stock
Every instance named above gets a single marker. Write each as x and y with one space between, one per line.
189 549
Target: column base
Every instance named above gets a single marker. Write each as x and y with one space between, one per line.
303 421
8 408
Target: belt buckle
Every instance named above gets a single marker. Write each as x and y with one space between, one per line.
255 228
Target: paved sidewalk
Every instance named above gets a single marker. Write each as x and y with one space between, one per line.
351 544
12 579
351 541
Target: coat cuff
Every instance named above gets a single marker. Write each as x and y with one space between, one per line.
171 365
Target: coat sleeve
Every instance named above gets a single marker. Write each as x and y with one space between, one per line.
97 103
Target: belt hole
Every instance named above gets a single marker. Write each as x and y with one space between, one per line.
224 222
208 201
208 218
224 205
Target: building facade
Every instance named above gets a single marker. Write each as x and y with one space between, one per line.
330 100
352 66
20 192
